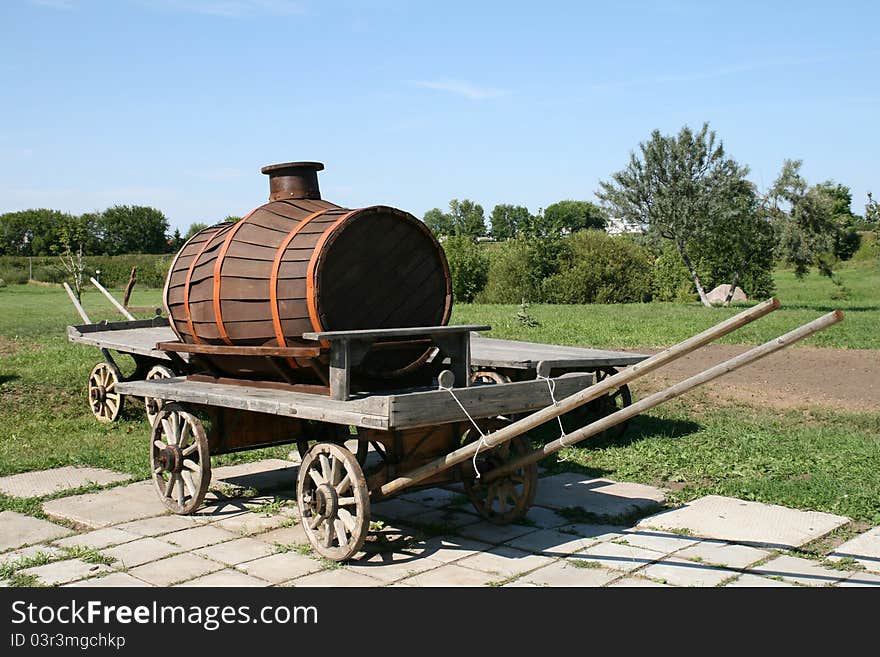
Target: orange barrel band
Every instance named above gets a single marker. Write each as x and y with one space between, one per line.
218 266
186 285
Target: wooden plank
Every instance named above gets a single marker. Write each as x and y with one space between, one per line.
392 332
369 412
436 406
139 341
272 385
492 352
226 350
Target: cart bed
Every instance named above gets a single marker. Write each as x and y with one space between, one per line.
131 337
513 354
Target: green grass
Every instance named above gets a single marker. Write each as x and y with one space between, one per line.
661 324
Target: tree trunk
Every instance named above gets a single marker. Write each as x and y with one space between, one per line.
732 287
132 279
694 275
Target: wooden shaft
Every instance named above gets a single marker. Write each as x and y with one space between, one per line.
77 304
579 398
118 305
678 389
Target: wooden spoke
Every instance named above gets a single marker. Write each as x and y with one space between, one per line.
506 499
612 402
151 404
181 476
336 526
104 402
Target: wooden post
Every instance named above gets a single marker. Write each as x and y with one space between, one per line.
112 299
340 369
670 393
77 304
592 392
132 279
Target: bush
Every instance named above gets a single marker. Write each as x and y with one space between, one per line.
599 268
468 265
869 249
670 278
115 270
517 267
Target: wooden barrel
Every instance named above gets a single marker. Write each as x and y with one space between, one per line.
299 264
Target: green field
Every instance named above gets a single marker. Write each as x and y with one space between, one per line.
806 458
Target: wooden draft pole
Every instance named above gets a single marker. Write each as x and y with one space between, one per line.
77 304
678 389
112 299
587 394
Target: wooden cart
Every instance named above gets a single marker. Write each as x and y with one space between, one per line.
461 428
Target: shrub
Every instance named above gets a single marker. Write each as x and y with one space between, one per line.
517 267
869 249
115 270
670 278
468 265
599 268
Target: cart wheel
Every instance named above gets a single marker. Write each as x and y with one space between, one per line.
180 459
153 405
489 376
341 437
508 498
105 402
332 495
614 401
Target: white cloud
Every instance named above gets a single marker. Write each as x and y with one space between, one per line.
230 8
461 88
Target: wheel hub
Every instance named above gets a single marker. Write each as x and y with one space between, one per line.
326 501
99 394
171 459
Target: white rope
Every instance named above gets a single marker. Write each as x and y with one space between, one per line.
482 442
551 385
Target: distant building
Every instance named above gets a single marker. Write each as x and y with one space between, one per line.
619 227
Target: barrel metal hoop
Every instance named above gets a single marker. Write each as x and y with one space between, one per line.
188 279
273 279
310 275
218 267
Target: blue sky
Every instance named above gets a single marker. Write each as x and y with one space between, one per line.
178 103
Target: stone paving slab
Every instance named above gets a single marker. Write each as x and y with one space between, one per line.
601 497
141 551
175 569
799 571
489 533
198 537
551 542
861 578
618 557
159 525
40 483
432 496
295 535
228 577
504 562
864 548
751 523
25 553
636 582
680 572
718 553
566 573
238 551
450 548
278 568
18 530
253 523
112 580
335 577
62 572
656 540
443 518
749 580
108 507
451 574
268 474
99 538
389 567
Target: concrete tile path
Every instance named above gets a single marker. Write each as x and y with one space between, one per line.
123 536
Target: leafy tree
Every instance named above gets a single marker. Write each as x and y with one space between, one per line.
814 224
872 212
193 229
177 240
685 189
36 232
468 218
231 219
439 222
567 217
133 229
468 266
509 220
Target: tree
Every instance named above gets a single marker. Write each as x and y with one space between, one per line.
468 266
683 188
133 229
814 225
872 212
468 218
566 217
194 228
36 232
509 220
439 222
72 235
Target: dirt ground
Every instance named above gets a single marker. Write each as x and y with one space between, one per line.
847 379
